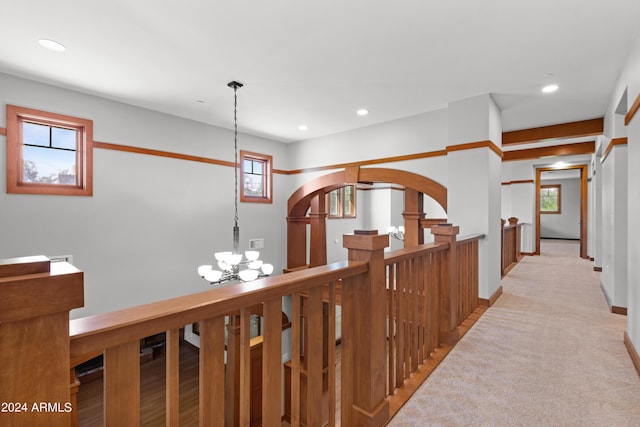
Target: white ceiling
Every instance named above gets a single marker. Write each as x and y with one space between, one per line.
316 62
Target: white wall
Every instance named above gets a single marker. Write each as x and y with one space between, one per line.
629 81
614 237
152 220
565 225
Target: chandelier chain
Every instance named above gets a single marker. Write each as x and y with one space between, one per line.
235 148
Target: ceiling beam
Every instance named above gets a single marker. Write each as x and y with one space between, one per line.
564 130
588 147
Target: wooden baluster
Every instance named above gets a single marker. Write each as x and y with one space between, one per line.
366 331
331 356
424 269
415 314
122 385
391 326
295 359
314 357
434 331
271 363
399 326
74 388
173 378
245 368
232 372
211 398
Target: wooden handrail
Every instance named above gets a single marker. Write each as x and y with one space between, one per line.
414 251
469 237
95 333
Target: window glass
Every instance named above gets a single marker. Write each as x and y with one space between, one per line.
550 199
256 177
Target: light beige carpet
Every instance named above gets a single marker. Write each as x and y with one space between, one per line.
548 353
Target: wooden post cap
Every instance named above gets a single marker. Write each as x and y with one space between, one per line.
445 229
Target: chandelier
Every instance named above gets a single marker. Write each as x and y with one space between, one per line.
396 232
232 265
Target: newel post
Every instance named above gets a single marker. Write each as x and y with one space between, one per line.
364 333
35 299
449 298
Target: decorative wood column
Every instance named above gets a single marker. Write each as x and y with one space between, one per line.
297 241
318 220
446 233
35 299
413 214
363 378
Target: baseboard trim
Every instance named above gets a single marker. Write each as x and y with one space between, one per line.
597 269
528 253
483 302
619 310
592 259
635 358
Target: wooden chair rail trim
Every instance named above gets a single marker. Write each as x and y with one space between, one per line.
95 333
613 143
413 252
473 145
632 111
519 181
470 238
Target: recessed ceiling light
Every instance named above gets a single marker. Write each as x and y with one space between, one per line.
52 45
362 112
550 88
303 127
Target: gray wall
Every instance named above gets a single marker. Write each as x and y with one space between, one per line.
565 225
152 220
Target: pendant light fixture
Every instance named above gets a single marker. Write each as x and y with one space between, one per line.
231 263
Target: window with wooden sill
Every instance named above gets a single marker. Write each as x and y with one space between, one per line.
256 177
48 153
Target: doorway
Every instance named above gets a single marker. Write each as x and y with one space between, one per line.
551 190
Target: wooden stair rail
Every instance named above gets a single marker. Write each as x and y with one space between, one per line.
511 251
118 333
398 309
35 299
431 290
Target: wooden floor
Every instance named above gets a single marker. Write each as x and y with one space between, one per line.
152 393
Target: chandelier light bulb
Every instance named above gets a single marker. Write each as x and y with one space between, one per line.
204 269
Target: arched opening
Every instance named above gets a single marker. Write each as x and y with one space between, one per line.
307 207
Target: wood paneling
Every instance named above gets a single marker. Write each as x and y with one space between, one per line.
632 111
564 130
556 150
